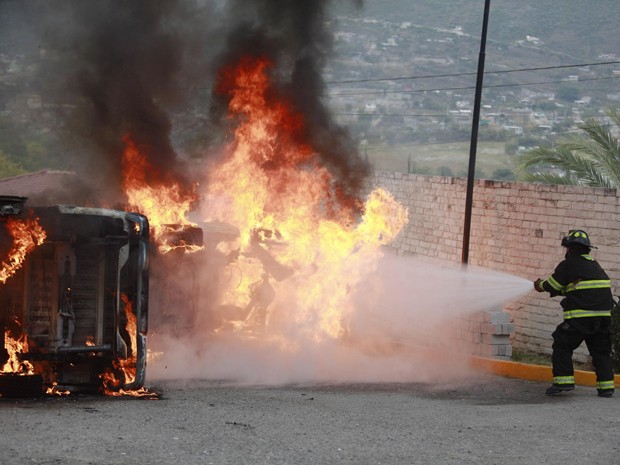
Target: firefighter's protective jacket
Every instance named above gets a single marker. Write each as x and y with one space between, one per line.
584 284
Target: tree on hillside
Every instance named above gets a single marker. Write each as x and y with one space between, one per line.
567 93
9 168
592 159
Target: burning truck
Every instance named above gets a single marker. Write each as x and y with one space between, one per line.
74 290
288 236
287 240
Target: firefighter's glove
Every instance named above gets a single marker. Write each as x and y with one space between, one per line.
538 285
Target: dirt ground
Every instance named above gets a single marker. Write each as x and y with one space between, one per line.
487 420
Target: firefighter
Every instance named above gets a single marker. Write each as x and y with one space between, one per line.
587 308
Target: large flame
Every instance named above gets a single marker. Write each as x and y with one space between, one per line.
27 234
287 207
166 204
14 347
123 370
303 245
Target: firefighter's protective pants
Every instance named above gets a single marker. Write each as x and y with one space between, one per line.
569 335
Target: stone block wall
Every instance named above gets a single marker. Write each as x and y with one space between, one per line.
516 228
485 333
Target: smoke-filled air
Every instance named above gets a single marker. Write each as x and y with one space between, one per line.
270 258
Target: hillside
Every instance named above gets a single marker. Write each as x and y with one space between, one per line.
384 39
424 124
573 28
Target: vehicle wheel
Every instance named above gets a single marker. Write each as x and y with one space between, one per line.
19 386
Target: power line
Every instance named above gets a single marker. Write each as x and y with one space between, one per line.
375 92
419 115
430 115
449 116
555 82
433 76
405 146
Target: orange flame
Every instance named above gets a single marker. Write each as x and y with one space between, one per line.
15 347
53 390
273 182
26 234
127 366
162 203
132 327
273 178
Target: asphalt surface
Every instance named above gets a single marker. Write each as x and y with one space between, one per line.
486 420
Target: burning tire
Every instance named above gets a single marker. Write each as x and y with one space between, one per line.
20 386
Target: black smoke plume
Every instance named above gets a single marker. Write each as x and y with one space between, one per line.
127 66
121 61
296 36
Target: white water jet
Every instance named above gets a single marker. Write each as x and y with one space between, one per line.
399 311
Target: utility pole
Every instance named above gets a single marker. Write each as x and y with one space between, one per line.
474 135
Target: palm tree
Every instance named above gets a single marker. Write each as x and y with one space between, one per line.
590 160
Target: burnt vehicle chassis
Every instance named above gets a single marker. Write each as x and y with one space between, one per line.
70 297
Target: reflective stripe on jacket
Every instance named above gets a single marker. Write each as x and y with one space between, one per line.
584 284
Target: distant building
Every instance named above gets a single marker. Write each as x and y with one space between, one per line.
533 40
517 130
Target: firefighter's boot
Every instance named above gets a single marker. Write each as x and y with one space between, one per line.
555 389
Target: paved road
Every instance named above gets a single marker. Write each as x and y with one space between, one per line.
489 420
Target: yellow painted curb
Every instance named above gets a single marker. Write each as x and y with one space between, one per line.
531 372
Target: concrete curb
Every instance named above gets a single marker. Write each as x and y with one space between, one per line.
512 369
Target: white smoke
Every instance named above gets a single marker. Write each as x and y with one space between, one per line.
400 312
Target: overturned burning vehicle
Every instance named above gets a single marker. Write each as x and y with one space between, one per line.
74 299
